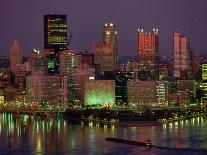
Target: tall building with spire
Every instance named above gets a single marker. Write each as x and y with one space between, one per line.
147 49
15 55
181 56
55 39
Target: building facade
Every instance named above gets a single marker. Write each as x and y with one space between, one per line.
15 55
181 56
47 91
55 38
99 92
147 49
105 56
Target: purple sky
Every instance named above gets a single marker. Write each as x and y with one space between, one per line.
23 20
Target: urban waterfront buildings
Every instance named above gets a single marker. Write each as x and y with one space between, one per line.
147 50
58 76
47 91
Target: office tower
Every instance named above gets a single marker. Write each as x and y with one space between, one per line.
204 82
55 32
147 44
15 55
104 55
73 67
37 61
55 38
181 56
110 35
48 91
121 88
141 92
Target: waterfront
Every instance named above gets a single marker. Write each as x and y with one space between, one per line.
57 136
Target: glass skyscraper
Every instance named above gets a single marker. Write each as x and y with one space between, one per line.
55 38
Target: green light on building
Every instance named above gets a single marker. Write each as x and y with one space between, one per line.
204 71
100 92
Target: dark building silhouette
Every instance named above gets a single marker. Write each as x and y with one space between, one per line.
55 38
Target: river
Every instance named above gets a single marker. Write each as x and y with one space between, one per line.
58 136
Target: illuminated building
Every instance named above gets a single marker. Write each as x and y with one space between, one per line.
15 55
121 89
147 44
178 98
163 71
142 92
110 35
150 93
181 56
86 58
204 82
77 72
181 92
48 91
99 92
105 56
37 61
21 72
161 92
55 32
55 37
1 98
204 72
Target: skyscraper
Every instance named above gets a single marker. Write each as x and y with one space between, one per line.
55 38
104 55
181 55
110 35
55 32
15 55
147 44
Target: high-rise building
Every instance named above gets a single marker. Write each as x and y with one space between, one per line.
48 91
147 44
110 35
55 32
204 82
15 55
73 66
181 56
121 88
55 38
104 55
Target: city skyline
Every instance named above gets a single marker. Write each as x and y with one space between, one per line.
168 16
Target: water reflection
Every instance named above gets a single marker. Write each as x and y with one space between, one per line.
57 136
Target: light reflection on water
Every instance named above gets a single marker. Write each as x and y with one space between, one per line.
57 136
